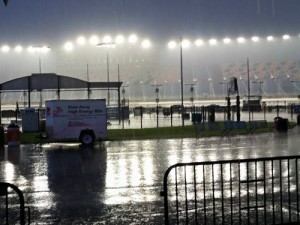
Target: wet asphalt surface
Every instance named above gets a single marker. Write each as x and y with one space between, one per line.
119 182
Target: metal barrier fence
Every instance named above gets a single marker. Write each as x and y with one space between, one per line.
250 191
12 210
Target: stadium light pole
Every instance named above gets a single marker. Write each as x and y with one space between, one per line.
107 44
39 50
183 43
181 83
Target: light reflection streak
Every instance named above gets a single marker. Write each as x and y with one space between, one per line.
243 171
187 157
148 170
130 179
110 179
122 172
173 158
40 183
135 173
148 145
9 172
226 172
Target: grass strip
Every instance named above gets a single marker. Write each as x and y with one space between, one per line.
153 133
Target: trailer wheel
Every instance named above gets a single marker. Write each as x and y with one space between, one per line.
87 138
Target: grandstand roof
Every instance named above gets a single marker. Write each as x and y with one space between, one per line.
52 81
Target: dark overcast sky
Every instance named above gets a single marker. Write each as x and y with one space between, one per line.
53 20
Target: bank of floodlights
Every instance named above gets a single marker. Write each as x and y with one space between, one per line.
270 38
81 40
69 46
226 40
199 42
18 48
5 48
134 40
119 39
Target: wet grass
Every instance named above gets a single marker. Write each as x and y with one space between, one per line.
156 133
151 133
189 131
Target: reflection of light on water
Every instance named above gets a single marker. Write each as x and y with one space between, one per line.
44 198
116 175
147 145
129 177
187 157
148 170
173 146
172 159
243 171
135 173
40 183
117 182
212 157
122 178
226 172
9 171
60 145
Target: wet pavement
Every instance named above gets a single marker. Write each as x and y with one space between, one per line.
119 182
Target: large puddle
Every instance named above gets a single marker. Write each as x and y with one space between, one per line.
118 182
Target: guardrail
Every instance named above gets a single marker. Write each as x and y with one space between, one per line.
10 216
250 191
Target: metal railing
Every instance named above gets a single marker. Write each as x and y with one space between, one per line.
250 191
9 212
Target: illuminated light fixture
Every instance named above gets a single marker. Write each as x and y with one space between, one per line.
226 40
69 46
212 41
286 37
199 42
34 49
81 40
30 49
132 39
94 40
107 39
44 49
185 43
18 48
255 39
172 44
270 38
119 39
5 48
106 45
146 43
240 39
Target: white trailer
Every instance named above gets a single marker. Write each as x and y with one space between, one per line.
82 120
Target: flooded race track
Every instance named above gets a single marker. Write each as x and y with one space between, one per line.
119 182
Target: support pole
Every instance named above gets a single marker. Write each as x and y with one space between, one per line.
181 79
